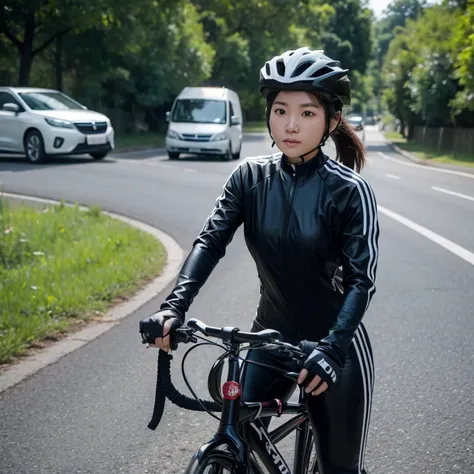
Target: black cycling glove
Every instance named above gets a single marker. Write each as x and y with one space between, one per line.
152 327
320 363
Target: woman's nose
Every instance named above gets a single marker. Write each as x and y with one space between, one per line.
292 124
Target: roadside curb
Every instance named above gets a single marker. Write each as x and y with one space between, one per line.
423 162
408 155
33 363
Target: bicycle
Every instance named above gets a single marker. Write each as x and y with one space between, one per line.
229 452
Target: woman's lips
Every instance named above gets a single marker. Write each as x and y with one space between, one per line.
291 143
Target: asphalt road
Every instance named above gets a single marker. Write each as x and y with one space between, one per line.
88 412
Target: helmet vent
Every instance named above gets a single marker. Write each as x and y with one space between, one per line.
301 69
280 65
321 72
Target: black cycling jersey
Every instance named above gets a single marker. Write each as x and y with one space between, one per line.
301 222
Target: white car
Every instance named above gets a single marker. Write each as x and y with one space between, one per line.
357 123
44 122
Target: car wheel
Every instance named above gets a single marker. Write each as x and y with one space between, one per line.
227 156
236 156
99 155
34 147
173 156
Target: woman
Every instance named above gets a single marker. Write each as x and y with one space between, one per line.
304 216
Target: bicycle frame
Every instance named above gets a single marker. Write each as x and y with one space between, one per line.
238 416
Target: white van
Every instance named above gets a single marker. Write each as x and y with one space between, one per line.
205 121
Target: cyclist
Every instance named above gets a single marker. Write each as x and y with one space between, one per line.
305 216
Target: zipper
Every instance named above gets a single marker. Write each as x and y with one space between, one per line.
290 203
289 208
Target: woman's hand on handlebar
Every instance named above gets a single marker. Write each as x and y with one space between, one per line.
321 369
156 329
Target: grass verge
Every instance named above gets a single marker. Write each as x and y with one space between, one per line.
426 153
156 140
139 140
255 127
147 140
61 266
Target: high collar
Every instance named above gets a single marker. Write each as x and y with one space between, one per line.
305 168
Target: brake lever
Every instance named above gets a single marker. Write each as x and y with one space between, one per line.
183 334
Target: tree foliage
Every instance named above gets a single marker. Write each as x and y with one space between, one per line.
428 70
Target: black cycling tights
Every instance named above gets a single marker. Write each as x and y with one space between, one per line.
340 418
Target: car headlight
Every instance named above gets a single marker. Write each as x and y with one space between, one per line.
58 123
219 137
173 134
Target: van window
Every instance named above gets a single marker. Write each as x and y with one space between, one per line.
200 111
231 109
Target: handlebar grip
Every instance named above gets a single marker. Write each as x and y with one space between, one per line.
160 398
166 389
172 394
265 335
207 330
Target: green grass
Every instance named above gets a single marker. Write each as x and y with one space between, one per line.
139 141
146 140
255 127
426 153
61 266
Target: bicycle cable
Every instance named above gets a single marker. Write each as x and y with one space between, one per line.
226 353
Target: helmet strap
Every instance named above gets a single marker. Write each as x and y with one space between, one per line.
324 138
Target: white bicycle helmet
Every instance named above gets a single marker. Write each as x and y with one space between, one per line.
304 69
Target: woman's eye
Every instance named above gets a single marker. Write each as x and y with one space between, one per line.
307 113
279 111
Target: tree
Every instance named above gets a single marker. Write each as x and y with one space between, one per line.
349 37
432 82
399 62
396 15
142 58
33 25
463 46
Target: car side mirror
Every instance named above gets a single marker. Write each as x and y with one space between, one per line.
10 107
234 120
168 116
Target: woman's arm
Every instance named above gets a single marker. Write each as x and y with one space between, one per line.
209 246
359 262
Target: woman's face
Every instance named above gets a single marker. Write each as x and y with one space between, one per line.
297 122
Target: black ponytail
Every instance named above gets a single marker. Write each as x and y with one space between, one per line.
349 148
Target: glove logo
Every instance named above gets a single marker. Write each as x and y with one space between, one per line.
328 369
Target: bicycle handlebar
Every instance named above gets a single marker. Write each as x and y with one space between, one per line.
232 334
166 389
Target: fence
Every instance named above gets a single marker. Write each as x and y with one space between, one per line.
451 140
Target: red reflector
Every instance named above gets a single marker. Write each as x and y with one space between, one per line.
231 390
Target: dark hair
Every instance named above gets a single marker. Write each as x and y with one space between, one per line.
349 149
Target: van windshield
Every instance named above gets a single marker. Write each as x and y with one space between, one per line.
200 111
